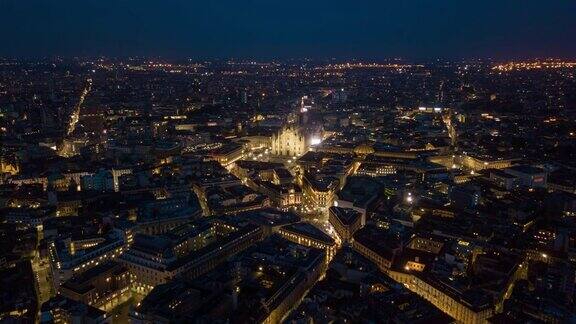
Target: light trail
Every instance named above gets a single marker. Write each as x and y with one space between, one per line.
75 116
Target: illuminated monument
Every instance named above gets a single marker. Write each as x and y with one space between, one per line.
296 137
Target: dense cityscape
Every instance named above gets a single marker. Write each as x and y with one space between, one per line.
144 190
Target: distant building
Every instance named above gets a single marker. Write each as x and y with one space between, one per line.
529 176
477 163
465 196
100 181
503 179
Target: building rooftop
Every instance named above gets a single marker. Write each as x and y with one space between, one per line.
310 230
346 215
527 169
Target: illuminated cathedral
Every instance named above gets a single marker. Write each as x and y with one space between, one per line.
296 137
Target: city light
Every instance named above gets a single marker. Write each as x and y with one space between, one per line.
342 187
315 141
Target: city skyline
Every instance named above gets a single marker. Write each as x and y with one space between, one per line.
287 162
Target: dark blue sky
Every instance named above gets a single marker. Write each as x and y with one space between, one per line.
289 28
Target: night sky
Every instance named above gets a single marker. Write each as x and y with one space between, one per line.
263 29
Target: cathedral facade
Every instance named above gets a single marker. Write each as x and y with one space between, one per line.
295 140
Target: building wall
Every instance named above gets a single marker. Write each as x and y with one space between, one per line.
301 239
230 157
290 141
105 287
298 287
459 311
322 199
382 263
344 231
64 270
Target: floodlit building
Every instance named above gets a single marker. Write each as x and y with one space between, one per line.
295 140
